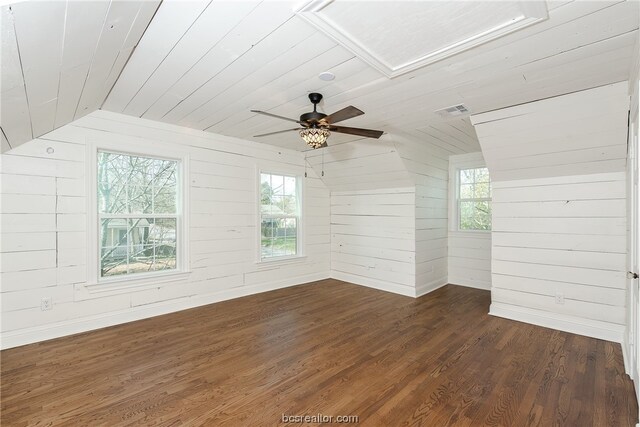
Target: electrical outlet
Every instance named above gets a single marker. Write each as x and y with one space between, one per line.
46 304
559 298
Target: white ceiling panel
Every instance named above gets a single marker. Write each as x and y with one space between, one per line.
400 36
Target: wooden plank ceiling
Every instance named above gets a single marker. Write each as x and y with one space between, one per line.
60 59
206 64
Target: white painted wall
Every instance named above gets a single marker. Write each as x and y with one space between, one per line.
567 236
373 223
373 238
44 228
559 213
427 163
470 259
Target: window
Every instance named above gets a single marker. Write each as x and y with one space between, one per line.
279 216
138 214
474 199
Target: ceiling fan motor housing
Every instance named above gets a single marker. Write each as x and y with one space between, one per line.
313 117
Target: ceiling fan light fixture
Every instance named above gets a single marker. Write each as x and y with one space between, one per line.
315 137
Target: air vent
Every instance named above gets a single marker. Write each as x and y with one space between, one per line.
454 111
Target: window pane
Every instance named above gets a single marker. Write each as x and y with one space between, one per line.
138 245
164 201
285 236
289 186
140 199
466 176
482 190
277 184
113 247
466 191
265 190
482 175
475 215
290 205
112 197
482 215
162 236
136 185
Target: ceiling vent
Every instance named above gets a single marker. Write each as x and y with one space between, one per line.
454 111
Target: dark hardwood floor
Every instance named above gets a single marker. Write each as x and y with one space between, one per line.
328 347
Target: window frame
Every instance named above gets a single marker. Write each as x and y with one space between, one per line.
300 252
95 283
456 164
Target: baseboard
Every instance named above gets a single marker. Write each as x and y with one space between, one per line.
470 283
395 288
431 286
20 337
590 328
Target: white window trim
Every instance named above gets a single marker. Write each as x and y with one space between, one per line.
456 163
300 190
94 283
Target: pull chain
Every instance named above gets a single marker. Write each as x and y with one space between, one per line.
323 162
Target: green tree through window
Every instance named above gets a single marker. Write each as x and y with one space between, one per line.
474 199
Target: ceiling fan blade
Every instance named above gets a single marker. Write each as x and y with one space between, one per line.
276 116
369 133
344 114
273 133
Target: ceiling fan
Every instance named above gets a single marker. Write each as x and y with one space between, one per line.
316 127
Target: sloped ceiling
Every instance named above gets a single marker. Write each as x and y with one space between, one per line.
60 59
206 64
575 134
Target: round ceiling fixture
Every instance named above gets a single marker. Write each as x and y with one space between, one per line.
326 76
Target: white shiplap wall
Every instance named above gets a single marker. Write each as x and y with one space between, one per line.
428 166
567 236
425 154
470 259
372 213
559 215
373 238
44 228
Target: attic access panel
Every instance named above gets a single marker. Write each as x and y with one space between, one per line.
397 37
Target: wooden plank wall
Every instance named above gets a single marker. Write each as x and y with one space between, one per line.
44 233
428 166
372 213
470 259
559 210
425 153
373 238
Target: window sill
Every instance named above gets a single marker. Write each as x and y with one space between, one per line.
280 261
471 233
136 283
